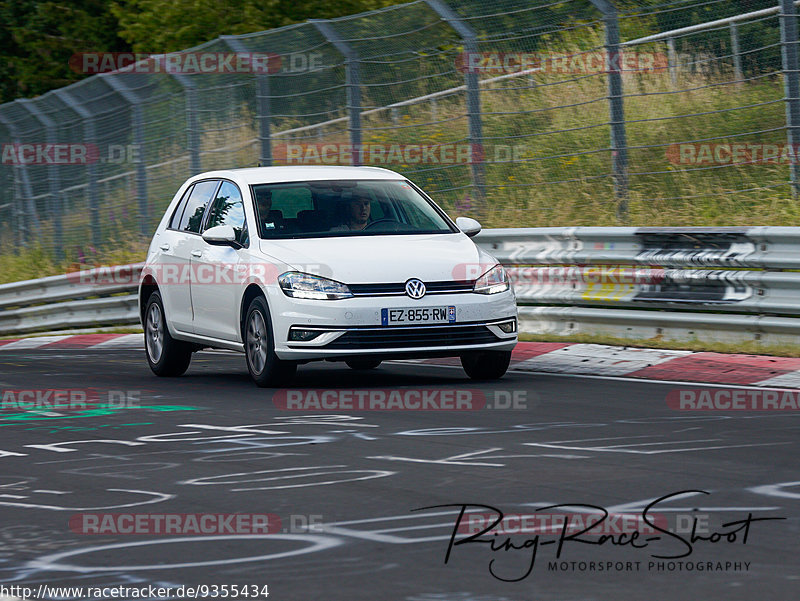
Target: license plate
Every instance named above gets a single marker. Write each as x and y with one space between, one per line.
422 315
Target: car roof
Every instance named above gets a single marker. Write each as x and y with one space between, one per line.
270 175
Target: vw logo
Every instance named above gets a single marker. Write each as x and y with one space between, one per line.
415 288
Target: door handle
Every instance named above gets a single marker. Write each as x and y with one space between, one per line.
165 246
197 253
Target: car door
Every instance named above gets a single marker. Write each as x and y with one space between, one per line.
184 239
217 285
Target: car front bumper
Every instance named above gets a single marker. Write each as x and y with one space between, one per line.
352 327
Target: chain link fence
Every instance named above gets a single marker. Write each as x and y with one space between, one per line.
525 113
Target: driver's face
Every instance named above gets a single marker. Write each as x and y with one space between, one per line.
359 211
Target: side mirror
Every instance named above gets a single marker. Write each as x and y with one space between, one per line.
469 226
221 235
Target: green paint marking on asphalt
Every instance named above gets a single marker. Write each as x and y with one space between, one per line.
41 415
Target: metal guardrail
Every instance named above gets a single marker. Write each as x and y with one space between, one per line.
681 283
88 298
709 284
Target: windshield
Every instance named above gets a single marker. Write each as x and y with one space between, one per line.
345 208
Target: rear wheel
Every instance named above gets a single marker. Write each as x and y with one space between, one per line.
166 356
486 365
363 364
263 364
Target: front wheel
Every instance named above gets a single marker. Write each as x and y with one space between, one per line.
486 365
166 356
263 364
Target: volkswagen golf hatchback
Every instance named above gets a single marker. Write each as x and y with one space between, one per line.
298 264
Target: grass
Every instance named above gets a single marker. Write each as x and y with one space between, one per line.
36 262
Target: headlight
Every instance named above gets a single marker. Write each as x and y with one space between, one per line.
493 281
305 285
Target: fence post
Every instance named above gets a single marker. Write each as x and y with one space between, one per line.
619 145
263 109
27 207
791 84
468 36
90 137
736 52
138 139
353 82
672 62
53 179
192 129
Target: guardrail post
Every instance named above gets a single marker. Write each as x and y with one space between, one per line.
53 179
737 54
90 137
138 139
28 218
468 36
619 145
791 85
263 108
353 82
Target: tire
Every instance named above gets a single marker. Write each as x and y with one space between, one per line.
363 364
486 365
264 366
166 356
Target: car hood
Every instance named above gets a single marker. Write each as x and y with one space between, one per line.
383 259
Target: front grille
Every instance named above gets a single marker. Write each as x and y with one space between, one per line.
394 337
400 288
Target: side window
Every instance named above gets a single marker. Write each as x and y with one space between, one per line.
196 206
228 209
176 216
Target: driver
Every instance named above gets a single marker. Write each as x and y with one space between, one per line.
357 212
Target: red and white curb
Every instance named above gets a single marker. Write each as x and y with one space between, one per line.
81 341
546 357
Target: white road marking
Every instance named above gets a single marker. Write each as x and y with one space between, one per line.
52 562
776 490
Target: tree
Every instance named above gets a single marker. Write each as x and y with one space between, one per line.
160 26
37 39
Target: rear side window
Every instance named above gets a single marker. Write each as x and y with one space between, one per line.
192 217
176 216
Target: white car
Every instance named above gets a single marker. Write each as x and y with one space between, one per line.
297 264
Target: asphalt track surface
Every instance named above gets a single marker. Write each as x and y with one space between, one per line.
607 442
